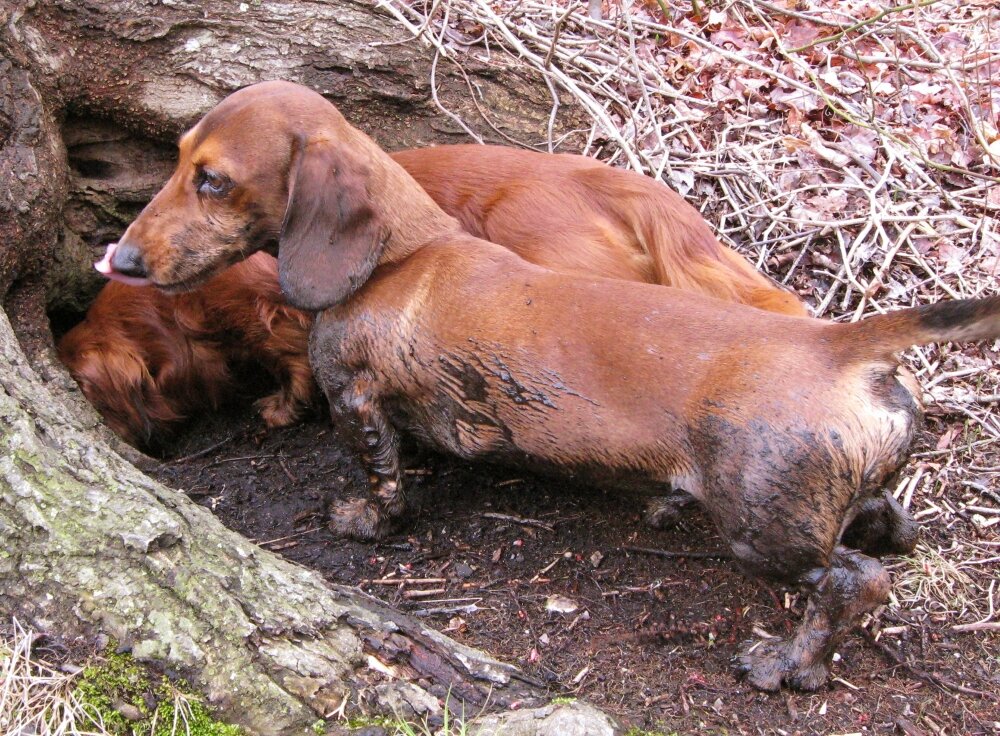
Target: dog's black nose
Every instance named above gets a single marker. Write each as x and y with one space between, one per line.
127 260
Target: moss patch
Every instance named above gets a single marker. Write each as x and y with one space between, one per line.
400 727
120 695
563 700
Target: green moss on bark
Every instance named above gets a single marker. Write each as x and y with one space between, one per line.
126 699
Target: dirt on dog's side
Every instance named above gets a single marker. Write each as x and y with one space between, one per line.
551 576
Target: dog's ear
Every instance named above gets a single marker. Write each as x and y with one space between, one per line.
331 238
114 381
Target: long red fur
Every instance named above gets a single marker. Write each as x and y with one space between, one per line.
147 360
575 214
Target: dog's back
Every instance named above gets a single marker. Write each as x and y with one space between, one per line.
577 215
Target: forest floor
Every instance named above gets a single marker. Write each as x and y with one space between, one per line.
540 573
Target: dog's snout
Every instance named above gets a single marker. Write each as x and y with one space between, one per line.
128 261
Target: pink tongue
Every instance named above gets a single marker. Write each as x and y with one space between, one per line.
104 267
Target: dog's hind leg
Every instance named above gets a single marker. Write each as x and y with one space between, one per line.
662 512
841 593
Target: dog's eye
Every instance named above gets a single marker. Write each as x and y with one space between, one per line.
215 184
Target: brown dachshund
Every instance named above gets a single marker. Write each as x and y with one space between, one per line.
147 360
784 429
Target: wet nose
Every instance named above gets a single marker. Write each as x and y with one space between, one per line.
127 260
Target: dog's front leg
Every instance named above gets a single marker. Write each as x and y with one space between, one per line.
360 419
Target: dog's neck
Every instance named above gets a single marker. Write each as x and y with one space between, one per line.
411 218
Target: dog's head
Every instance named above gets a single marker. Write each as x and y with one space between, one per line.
272 166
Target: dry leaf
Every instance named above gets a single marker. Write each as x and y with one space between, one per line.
800 33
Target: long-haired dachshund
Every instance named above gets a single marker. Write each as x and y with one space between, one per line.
784 429
577 215
147 360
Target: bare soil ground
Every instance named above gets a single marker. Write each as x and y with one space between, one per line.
538 572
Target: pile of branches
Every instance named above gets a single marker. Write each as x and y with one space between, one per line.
849 149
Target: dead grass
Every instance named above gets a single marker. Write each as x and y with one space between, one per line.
41 698
939 581
35 696
849 149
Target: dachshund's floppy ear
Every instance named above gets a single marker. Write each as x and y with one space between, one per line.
331 238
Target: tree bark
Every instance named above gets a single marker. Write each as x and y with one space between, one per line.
92 96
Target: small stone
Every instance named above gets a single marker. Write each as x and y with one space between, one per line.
129 711
463 570
560 604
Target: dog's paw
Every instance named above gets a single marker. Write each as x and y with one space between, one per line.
770 664
357 518
277 410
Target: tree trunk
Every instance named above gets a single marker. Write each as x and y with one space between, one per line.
92 96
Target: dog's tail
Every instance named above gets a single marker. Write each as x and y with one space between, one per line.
684 251
960 320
